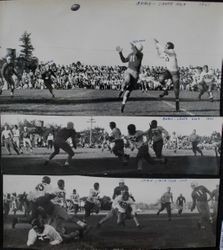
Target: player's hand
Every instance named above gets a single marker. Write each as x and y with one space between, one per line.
155 40
118 49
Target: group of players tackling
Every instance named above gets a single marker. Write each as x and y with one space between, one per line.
204 77
49 216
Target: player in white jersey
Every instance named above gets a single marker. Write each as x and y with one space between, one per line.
169 55
117 143
8 140
92 203
44 233
136 140
75 198
123 207
60 193
207 82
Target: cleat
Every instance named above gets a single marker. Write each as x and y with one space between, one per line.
122 108
14 222
139 227
120 94
46 162
177 105
66 164
165 92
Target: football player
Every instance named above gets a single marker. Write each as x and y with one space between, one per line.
169 55
134 60
200 200
195 139
92 203
60 142
166 200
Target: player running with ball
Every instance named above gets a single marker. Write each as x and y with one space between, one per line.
134 60
172 72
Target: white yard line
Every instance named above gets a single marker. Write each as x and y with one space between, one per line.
173 106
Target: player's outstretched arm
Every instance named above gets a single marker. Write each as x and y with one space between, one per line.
123 59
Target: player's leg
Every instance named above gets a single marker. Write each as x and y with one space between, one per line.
88 208
158 148
67 148
49 87
125 99
210 92
176 85
118 150
161 208
7 146
11 84
125 83
198 149
143 154
14 146
168 209
108 216
55 152
162 79
194 148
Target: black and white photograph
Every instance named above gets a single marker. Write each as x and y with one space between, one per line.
103 145
133 58
99 213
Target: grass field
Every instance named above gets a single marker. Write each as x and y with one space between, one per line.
95 162
156 232
106 102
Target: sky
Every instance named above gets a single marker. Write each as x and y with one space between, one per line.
143 190
181 125
92 33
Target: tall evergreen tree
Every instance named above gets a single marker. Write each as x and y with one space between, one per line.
27 47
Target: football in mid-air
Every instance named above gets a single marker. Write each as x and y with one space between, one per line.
75 7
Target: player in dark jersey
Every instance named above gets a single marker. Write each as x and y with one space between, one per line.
195 139
215 198
200 200
47 75
134 60
8 70
120 188
61 143
166 200
180 203
155 134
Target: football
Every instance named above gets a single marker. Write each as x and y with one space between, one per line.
75 7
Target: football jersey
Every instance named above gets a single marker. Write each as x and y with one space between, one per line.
137 139
167 197
60 198
208 77
66 133
119 204
170 58
49 234
42 189
118 190
16 132
8 70
200 193
116 134
6 134
93 196
194 138
75 198
135 60
156 134
181 200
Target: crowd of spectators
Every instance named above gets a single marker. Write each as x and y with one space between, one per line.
78 75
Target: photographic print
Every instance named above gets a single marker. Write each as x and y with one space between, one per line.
64 212
103 145
119 57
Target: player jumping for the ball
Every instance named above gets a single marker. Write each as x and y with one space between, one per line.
134 60
47 75
61 142
172 72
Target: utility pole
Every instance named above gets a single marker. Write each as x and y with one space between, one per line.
91 121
